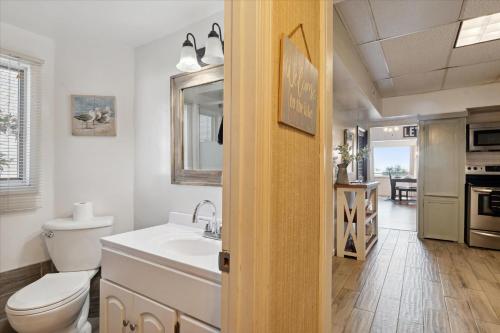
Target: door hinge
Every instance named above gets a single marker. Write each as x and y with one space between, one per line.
224 261
177 328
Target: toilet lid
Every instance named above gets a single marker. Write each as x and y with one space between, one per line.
50 289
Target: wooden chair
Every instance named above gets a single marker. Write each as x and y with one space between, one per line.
405 189
396 190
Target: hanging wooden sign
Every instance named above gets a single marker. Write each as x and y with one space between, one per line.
298 87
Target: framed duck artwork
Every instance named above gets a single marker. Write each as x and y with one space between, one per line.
93 115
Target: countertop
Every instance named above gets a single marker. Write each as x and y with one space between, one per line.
149 245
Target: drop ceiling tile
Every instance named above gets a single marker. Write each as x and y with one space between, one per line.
385 87
473 54
375 61
472 75
396 18
416 83
358 17
475 8
422 51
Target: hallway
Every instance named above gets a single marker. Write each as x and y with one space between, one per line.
408 285
397 215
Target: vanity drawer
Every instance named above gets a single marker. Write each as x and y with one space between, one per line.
189 294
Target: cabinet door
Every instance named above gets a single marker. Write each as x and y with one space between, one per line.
444 153
440 215
152 317
190 325
115 308
441 179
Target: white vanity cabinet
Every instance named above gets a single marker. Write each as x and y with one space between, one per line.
125 311
151 284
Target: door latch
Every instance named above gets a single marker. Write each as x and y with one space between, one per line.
224 261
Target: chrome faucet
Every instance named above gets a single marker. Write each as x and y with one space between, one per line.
213 228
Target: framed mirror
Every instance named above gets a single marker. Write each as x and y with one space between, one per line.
197 103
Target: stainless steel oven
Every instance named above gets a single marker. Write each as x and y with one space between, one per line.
484 217
484 137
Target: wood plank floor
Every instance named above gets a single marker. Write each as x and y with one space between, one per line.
409 285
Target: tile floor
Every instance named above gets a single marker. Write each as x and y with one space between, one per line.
409 285
397 215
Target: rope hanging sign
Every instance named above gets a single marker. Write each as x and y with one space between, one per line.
298 86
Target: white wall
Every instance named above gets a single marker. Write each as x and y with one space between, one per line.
97 169
155 196
20 241
444 101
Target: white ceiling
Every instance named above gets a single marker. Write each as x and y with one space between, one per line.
130 23
407 45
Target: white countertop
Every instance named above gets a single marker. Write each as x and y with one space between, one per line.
150 245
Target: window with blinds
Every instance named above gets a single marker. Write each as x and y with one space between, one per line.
19 130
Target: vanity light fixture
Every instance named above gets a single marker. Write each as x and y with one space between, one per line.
189 57
214 49
213 53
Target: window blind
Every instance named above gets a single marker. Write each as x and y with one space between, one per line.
20 104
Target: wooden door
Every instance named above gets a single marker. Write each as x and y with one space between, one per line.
152 317
442 179
115 308
277 180
190 325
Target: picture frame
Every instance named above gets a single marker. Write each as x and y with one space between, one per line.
93 115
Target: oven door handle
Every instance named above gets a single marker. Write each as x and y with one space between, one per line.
482 189
486 234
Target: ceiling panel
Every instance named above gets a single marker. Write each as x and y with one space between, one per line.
420 52
396 18
385 87
473 54
415 83
359 20
472 75
374 59
475 8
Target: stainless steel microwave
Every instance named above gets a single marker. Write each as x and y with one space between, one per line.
484 137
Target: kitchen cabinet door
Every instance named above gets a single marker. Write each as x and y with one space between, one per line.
441 179
116 306
152 317
441 215
190 325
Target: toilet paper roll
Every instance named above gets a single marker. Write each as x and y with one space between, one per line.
83 211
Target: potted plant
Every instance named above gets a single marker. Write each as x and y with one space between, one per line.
346 158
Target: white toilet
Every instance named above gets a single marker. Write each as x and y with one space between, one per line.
59 303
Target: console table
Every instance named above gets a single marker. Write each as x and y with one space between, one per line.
357 220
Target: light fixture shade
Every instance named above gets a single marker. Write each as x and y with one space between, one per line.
213 52
188 61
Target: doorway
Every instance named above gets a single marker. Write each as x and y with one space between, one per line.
394 164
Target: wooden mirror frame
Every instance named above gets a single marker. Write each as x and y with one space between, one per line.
179 175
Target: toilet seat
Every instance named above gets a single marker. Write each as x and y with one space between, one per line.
47 293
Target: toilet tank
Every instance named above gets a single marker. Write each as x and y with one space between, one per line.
75 245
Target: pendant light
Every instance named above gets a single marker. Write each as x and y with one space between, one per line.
214 49
189 59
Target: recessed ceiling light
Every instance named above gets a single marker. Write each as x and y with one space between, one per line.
478 30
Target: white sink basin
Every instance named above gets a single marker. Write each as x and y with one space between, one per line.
176 246
193 246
